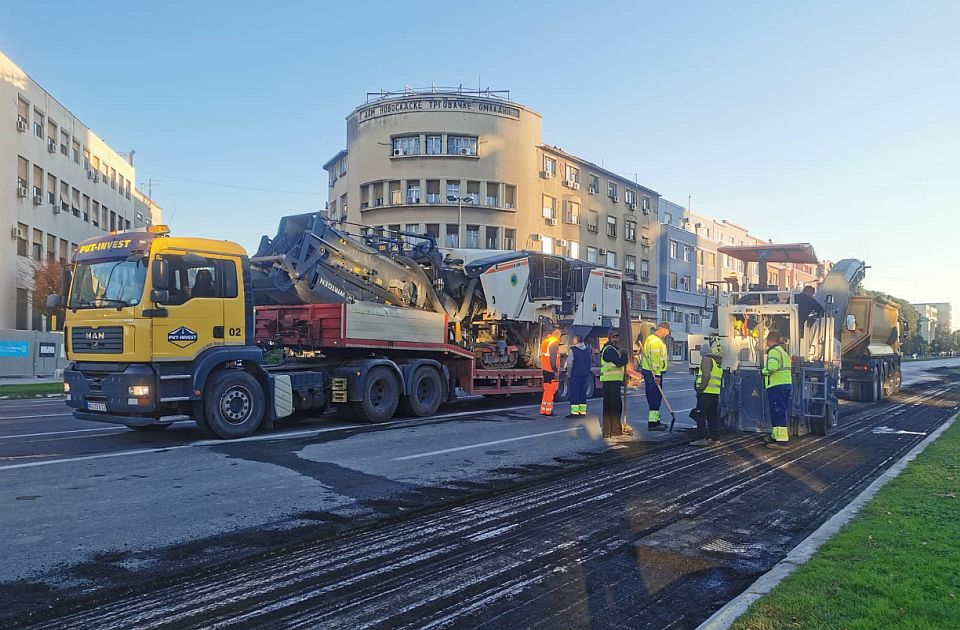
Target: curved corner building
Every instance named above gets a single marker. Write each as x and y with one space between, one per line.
470 169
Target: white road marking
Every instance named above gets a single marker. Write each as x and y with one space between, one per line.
482 444
45 415
26 435
889 431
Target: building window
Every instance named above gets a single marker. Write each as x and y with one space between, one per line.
493 238
37 252
433 191
591 254
461 145
76 151
687 253
611 226
573 213
413 228
571 174
644 269
473 193
434 145
453 191
509 196
549 207
23 172
453 235
674 282
493 194
406 145
65 143
694 319
549 166
630 196
677 319
37 182
593 221
644 301
473 237
667 217
432 230
413 191
630 265
546 244
684 283
630 231
612 190
343 204
38 123
674 250
21 240
612 259
509 238
573 249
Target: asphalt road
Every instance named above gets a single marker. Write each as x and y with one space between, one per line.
92 508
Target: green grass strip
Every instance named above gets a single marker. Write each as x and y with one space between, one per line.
30 389
895 565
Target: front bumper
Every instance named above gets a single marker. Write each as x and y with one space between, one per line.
130 421
101 390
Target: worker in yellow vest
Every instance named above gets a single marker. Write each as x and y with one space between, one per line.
550 364
778 378
652 366
707 386
613 363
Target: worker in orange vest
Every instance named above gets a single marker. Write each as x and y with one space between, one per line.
550 364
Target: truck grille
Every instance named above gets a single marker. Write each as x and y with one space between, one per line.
106 339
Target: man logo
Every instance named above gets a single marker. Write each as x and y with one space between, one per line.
182 337
513 279
95 335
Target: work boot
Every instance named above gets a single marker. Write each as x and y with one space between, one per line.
574 415
627 429
656 426
702 442
769 442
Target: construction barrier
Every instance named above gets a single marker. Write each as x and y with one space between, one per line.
31 353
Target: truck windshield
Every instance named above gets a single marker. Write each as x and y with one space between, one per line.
100 284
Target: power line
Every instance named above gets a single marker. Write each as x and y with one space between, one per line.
234 186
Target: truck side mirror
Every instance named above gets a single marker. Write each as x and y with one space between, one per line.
160 274
851 322
54 301
159 296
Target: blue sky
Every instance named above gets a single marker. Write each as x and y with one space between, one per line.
833 123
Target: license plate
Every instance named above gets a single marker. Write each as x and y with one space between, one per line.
97 406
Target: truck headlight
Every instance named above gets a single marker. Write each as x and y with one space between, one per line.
138 390
66 388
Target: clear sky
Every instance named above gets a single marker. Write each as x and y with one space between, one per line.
832 123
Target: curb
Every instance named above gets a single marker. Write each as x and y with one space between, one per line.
724 618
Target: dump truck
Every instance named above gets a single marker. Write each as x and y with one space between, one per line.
870 368
162 328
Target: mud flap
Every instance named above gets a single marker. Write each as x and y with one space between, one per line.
282 396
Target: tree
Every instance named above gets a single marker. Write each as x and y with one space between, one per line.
911 341
47 278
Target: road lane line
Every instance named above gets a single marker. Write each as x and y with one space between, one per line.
26 435
482 444
46 415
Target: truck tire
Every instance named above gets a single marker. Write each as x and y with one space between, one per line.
381 395
870 392
891 384
233 404
426 393
563 390
592 391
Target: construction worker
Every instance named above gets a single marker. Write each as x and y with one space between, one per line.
778 378
550 364
579 360
707 386
612 362
652 366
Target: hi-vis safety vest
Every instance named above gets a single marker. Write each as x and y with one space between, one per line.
610 371
545 346
777 370
716 375
654 355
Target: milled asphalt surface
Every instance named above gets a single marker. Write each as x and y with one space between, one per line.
88 506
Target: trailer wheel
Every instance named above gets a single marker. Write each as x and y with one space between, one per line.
823 426
426 393
234 404
871 392
381 395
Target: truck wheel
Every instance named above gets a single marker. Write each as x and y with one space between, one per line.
381 395
233 405
563 390
870 392
426 394
891 385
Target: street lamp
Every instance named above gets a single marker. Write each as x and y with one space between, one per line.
459 200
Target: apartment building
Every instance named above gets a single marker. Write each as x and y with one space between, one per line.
940 314
60 183
471 170
927 323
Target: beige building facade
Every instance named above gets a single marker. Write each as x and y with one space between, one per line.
60 184
471 170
